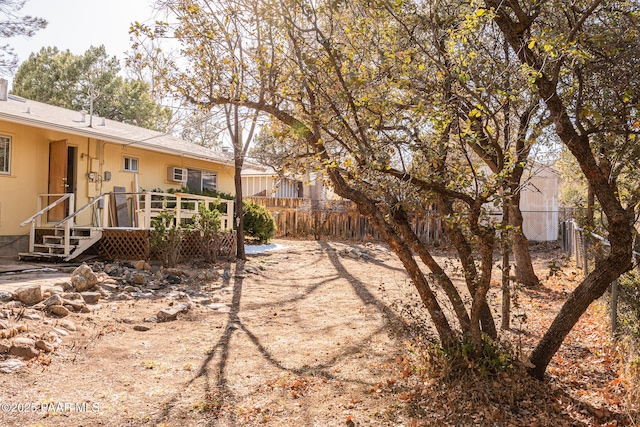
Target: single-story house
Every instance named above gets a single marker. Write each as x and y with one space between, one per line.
62 168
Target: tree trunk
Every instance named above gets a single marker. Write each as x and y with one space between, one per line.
468 264
524 268
506 269
237 178
590 289
401 221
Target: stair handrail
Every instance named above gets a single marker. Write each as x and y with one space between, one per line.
74 214
32 219
42 211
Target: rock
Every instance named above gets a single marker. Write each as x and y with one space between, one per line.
39 306
226 275
54 299
202 300
4 324
22 328
91 297
83 278
59 310
141 328
110 287
11 365
71 295
143 295
14 304
4 346
77 305
152 319
171 313
128 320
45 346
52 290
30 294
6 296
154 286
173 279
24 348
61 332
130 288
139 279
32 316
65 286
139 265
68 325
222 308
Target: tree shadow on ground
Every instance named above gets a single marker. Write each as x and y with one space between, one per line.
221 349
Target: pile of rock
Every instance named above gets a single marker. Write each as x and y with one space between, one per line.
82 293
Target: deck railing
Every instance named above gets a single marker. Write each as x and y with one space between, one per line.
139 207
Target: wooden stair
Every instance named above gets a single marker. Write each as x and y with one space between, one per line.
53 247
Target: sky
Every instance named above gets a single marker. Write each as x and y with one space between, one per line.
78 24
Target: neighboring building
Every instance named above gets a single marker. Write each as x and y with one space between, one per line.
266 183
539 203
47 150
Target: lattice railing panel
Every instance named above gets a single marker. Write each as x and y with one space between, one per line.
125 244
134 244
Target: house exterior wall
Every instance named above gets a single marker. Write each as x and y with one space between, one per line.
29 175
152 169
539 206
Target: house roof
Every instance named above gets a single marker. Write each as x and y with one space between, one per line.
23 111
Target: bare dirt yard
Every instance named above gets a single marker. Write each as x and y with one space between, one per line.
314 333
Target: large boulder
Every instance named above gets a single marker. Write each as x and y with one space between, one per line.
83 278
29 295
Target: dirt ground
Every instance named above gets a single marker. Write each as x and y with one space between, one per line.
311 334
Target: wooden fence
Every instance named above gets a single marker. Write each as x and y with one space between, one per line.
339 219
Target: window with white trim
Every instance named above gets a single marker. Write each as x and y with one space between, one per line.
200 180
5 155
130 164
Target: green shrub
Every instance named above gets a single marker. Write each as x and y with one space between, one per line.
258 222
166 238
207 223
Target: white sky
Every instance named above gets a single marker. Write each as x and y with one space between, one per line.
78 24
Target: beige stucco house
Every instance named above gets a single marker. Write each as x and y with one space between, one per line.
50 154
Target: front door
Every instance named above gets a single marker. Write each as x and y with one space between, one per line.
58 163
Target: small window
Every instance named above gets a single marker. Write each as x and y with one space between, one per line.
130 164
5 154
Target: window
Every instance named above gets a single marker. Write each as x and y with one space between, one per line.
130 164
199 180
5 154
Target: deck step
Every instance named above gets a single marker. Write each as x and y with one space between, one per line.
52 246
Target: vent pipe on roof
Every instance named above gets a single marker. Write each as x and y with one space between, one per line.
4 89
83 113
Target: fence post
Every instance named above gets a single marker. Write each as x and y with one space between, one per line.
585 260
614 307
